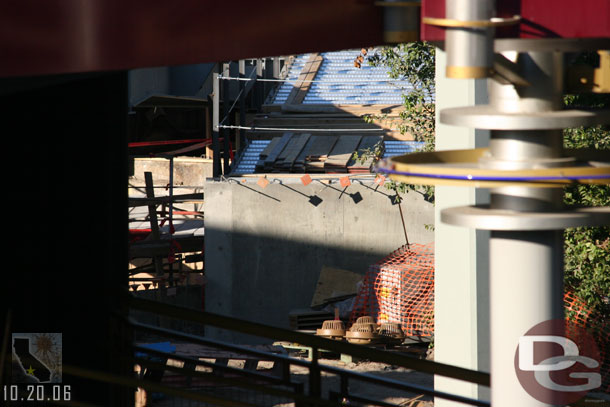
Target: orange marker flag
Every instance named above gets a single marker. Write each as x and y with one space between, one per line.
306 179
345 182
262 182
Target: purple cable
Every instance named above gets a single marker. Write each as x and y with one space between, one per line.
485 178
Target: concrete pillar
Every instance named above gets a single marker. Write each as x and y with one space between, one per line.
461 309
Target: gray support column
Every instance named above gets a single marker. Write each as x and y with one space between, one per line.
258 91
216 167
526 288
276 67
529 263
226 114
461 273
242 105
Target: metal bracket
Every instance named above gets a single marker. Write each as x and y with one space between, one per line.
505 71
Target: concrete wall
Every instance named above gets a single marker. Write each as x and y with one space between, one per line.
145 82
265 247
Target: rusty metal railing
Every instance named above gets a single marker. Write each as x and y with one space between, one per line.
314 395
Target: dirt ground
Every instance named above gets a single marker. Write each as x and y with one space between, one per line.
374 392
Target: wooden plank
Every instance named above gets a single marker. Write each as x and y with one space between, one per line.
308 73
333 282
342 153
209 352
299 163
293 150
322 146
279 147
260 164
279 162
318 153
367 143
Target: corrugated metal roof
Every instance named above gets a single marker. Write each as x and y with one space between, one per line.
251 154
367 85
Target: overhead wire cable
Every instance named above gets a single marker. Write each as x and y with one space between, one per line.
495 177
234 78
299 129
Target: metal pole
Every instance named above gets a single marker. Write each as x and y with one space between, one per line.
526 275
226 104
402 218
268 74
469 50
315 386
171 191
216 169
526 262
242 105
276 67
259 89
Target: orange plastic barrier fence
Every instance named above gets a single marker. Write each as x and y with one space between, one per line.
581 315
400 288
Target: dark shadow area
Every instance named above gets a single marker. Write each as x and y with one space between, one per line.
66 220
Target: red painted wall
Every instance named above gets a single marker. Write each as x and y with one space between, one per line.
67 36
62 36
541 18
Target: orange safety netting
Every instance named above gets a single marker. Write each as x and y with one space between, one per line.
583 316
400 288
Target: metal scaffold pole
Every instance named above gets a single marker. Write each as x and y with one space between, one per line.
226 113
217 171
242 105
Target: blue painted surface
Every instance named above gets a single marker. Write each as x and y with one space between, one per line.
368 85
166 347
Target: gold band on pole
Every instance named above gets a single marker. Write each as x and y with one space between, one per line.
452 23
468 72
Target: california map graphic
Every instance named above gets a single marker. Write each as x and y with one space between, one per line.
36 358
